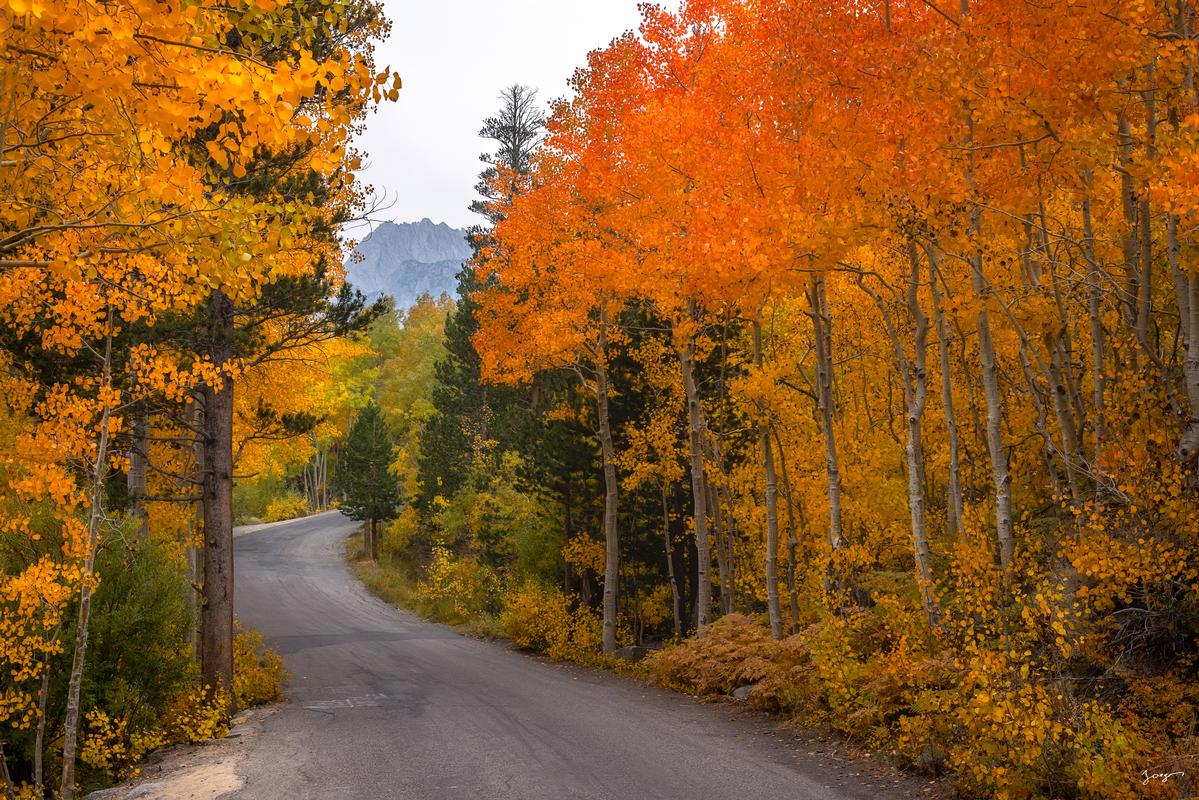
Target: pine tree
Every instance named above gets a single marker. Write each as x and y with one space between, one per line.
466 413
369 491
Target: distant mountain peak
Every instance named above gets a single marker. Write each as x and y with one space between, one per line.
407 259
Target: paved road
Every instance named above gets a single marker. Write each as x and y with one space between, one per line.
384 705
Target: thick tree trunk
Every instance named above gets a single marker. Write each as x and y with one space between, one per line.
216 609
611 540
99 473
695 424
773 612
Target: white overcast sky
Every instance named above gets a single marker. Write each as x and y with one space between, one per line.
454 57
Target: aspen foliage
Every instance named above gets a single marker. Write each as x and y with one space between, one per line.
896 303
151 154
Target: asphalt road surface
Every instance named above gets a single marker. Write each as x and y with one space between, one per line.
383 705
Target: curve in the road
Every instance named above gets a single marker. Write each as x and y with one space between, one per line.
385 705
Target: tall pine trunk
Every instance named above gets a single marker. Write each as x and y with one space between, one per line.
216 609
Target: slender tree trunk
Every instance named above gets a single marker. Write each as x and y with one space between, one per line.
39 738
954 511
87 579
1000 471
1145 300
1130 240
136 480
723 583
1095 294
1065 421
918 395
824 392
216 611
1186 289
611 540
1186 296
792 535
675 605
9 792
773 612
695 424
914 372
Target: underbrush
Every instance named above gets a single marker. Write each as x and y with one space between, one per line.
982 717
393 580
114 744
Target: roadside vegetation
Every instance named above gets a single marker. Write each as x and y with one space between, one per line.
846 355
174 180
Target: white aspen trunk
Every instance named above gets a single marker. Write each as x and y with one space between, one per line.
139 429
611 540
675 599
1131 239
773 612
914 372
9 792
915 444
718 535
1095 293
792 535
1065 421
954 511
1188 448
1000 471
39 739
1145 300
824 391
695 424
95 521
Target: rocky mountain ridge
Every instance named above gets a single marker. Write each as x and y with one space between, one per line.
407 259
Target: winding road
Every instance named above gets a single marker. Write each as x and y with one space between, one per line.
384 705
